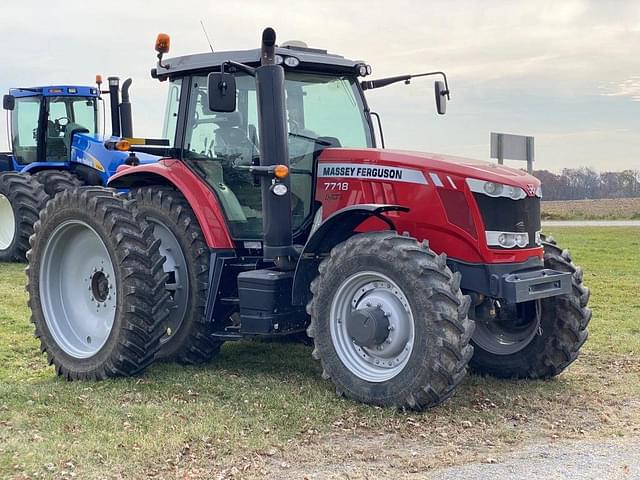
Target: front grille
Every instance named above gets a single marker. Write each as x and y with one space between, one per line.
502 214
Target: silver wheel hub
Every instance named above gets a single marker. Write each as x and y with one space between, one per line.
175 266
78 289
386 357
7 223
509 334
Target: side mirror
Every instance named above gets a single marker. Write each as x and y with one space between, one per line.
9 102
441 97
221 89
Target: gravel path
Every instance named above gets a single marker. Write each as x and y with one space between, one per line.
603 460
591 223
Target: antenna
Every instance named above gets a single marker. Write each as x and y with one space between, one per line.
206 35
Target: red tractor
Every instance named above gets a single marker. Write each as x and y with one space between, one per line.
273 213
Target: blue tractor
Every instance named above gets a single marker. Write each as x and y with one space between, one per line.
56 143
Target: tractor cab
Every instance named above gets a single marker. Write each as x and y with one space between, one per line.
324 108
44 119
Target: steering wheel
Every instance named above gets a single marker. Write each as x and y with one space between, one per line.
58 124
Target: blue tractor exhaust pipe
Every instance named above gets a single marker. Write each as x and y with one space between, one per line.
126 118
114 101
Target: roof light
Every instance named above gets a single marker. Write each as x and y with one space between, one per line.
163 42
99 80
362 70
72 90
278 59
291 62
369 70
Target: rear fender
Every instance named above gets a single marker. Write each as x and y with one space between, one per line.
340 226
201 199
39 166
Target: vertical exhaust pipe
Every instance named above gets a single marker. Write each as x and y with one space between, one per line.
274 150
126 118
114 100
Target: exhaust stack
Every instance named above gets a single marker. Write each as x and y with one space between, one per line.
114 101
274 150
126 118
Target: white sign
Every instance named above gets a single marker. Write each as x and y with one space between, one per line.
371 172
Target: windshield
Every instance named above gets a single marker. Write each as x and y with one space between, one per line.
222 146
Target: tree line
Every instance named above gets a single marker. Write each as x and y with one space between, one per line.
585 182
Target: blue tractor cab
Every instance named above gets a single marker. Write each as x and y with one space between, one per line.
56 143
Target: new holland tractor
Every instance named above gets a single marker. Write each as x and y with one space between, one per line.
272 213
56 144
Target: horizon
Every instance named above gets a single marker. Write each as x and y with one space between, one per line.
555 72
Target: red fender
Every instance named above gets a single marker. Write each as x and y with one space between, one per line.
202 200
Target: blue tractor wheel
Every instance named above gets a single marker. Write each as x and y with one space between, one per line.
21 199
55 181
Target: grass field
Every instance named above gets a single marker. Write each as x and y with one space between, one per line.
261 409
600 209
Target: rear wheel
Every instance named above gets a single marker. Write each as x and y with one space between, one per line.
55 181
535 339
389 323
188 336
96 285
21 199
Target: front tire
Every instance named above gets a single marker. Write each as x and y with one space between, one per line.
556 341
21 199
422 358
96 285
188 338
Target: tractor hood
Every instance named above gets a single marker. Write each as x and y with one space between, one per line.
428 163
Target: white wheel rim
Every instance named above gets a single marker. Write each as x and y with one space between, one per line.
176 266
360 291
78 289
7 223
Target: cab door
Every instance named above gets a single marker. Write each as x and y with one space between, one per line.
25 134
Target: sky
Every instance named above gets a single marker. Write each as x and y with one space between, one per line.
564 71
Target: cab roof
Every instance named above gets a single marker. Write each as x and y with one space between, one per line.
55 91
310 59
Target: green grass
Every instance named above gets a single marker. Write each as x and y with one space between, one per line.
257 400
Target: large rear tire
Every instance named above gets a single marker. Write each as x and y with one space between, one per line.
96 285
188 338
21 199
55 181
559 331
413 349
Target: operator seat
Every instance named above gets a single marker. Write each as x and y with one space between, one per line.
231 140
55 150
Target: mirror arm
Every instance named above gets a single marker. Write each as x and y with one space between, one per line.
240 66
383 82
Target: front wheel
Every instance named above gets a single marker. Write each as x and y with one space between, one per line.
96 285
536 339
389 323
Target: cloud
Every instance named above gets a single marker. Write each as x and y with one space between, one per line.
629 87
504 59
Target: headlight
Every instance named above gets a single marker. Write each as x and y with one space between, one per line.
494 189
507 239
